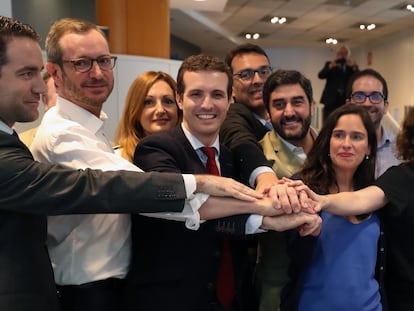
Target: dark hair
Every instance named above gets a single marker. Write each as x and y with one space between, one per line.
203 62
317 171
10 28
284 77
405 138
244 49
364 73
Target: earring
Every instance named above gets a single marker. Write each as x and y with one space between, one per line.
367 157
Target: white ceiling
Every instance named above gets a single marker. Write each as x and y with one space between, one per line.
215 25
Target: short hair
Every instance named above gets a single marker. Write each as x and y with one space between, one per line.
367 73
247 48
317 170
12 28
130 132
286 77
202 62
59 29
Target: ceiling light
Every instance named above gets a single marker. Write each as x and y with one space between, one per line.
280 20
410 7
331 41
253 36
367 27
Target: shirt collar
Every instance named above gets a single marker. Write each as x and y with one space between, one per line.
5 128
387 137
81 115
196 143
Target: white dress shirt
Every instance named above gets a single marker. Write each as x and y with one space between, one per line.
87 248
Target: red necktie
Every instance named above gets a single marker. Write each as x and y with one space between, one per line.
225 280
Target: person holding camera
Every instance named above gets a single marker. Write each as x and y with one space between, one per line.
337 73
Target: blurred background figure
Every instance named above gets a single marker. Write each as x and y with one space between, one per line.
337 73
150 107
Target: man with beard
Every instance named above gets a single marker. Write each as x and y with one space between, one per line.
288 98
369 89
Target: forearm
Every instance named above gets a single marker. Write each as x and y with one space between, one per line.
362 201
218 207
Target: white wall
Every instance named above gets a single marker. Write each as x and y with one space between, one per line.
6 8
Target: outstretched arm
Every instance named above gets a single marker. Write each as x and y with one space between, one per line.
219 207
362 201
225 187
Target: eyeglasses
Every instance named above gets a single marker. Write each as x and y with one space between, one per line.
248 74
85 64
374 98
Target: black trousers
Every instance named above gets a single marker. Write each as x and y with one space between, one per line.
95 296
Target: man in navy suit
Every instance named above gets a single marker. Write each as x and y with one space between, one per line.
175 269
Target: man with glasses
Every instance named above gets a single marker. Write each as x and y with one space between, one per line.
247 119
245 125
369 89
90 253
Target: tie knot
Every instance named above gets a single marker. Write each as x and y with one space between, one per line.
209 152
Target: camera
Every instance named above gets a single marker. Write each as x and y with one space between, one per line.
341 61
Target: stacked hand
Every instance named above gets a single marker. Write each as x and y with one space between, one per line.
297 206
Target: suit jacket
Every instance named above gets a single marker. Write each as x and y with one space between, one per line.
174 268
333 94
241 132
30 190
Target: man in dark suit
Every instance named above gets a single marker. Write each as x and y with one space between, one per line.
337 73
176 269
247 119
29 190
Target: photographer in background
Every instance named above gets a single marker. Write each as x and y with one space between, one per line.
337 73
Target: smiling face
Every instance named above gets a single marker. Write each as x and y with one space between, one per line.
204 103
90 89
348 143
21 82
160 110
290 112
368 85
249 93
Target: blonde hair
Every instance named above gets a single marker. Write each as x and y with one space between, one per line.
130 132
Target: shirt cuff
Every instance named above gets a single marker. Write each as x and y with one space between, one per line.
253 224
189 214
256 172
190 184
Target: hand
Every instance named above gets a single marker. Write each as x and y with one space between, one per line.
312 201
286 198
265 181
306 223
225 187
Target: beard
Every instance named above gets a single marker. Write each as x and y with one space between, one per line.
289 136
76 94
